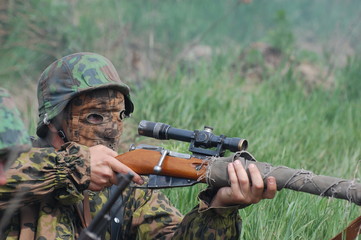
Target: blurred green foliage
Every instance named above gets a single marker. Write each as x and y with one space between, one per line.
39 31
350 83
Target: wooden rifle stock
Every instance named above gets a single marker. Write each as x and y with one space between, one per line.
142 161
214 173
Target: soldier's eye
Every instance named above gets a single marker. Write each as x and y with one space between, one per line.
95 118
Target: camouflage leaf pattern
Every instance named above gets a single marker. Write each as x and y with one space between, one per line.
13 135
52 182
203 222
148 214
71 75
45 184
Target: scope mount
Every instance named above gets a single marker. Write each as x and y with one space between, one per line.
203 137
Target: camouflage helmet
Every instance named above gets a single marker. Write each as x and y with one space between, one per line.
70 76
14 138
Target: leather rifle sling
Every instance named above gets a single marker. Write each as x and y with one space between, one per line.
83 210
86 208
351 232
27 216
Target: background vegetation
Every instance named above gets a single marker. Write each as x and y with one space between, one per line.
283 74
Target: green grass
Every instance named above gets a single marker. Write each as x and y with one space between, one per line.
284 124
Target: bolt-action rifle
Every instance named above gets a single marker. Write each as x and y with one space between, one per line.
207 164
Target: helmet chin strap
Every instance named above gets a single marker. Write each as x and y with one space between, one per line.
56 139
58 126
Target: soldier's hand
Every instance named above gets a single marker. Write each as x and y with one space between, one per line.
104 166
242 192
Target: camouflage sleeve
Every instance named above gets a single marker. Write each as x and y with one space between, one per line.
204 222
149 215
66 173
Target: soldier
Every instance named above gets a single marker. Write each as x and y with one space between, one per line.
40 173
14 138
82 99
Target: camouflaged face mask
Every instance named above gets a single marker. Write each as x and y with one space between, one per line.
95 117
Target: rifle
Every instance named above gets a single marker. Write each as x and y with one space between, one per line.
207 164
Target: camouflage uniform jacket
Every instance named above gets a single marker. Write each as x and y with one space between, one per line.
48 185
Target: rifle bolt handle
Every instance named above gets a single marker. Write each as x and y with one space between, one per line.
158 167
